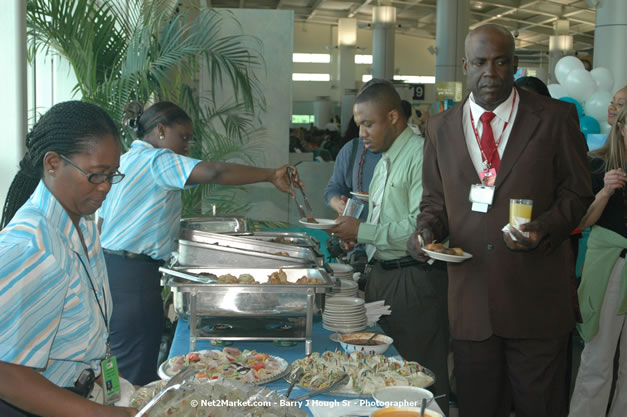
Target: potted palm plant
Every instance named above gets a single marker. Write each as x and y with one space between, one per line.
122 50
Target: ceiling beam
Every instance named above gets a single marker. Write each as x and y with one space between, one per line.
354 9
314 8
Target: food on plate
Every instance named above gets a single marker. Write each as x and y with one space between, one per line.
230 363
277 277
310 219
224 398
367 372
440 248
227 279
282 253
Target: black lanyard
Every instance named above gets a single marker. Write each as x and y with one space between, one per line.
103 313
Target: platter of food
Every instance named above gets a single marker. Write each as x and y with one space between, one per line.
442 253
360 196
315 223
231 363
276 277
220 398
367 372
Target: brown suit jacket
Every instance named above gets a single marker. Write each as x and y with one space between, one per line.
502 292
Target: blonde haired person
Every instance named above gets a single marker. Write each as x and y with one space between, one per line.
603 289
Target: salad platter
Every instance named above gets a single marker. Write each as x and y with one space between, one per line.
367 372
230 363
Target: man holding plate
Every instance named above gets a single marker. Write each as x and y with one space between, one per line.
416 291
510 306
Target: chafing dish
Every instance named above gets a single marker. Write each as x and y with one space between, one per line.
197 300
286 238
217 224
198 248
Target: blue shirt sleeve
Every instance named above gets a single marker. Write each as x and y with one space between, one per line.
338 184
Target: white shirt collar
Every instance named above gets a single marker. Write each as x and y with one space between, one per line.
502 111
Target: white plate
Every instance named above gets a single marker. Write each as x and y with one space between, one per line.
343 329
446 257
360 196
339 269
345 301
322 223
400 394
164 374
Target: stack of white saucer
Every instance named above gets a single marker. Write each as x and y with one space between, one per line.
342 271
344 314
344 288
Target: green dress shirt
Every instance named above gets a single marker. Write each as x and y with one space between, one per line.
401 198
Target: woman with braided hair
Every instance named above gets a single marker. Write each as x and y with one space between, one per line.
54 294
140 222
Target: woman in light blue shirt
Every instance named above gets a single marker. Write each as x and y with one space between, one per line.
54 294
139 225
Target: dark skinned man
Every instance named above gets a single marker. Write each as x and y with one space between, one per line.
509 306
416 291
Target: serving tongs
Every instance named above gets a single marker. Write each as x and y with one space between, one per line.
173 384
296 184
341 381
189 277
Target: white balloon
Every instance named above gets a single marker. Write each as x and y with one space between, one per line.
605 126
580 84
603 77
596 105
557 91
564 66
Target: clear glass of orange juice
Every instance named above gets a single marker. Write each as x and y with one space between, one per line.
519 212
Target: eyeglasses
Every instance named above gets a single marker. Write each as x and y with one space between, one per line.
96 178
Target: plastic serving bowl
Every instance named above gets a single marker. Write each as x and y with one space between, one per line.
385 341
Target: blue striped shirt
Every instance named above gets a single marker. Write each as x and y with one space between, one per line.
50 319
141 214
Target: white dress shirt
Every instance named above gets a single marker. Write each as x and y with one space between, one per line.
502 116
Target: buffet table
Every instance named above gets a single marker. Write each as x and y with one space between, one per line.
321 343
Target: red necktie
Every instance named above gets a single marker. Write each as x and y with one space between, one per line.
487 141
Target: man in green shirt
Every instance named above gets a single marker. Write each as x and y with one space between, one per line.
416 292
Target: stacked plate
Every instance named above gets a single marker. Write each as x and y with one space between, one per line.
344 288
342 271
344 314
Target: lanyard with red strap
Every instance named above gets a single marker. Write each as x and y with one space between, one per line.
489 173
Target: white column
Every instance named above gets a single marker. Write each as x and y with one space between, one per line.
346 41
13 103
322 111
610 34
450 32
383 30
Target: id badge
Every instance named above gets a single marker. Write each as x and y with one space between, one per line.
488 177
481 197
110 381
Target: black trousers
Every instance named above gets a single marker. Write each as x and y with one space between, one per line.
137 320
495 373
419 320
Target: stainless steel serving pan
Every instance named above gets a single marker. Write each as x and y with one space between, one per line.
286 238
217 224
198 248
233 300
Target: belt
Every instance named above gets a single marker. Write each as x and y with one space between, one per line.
399 263
131 255
623 254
